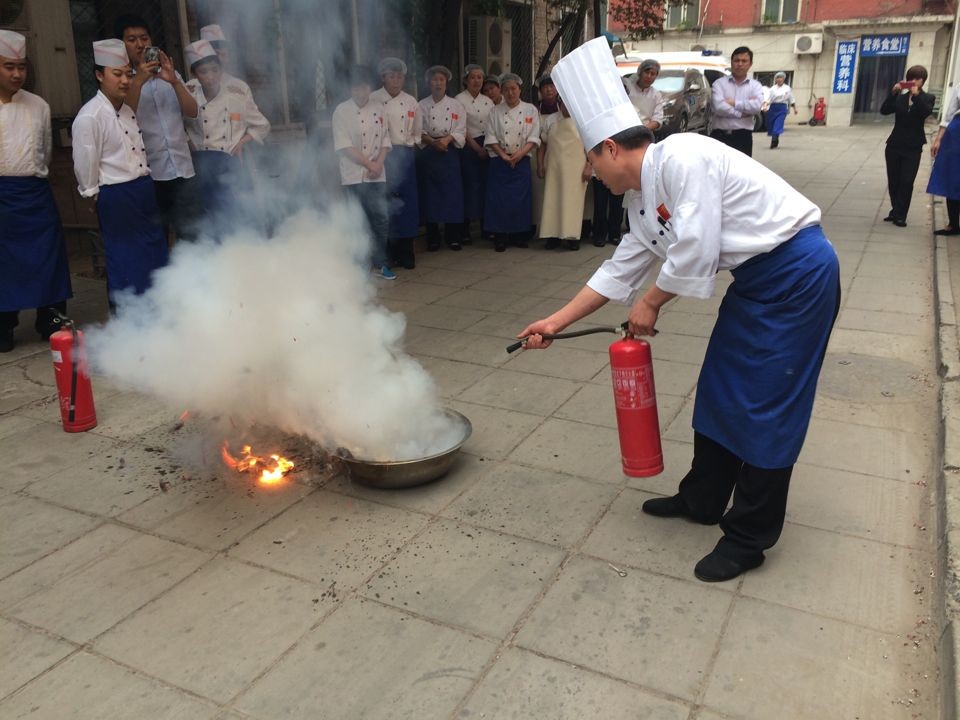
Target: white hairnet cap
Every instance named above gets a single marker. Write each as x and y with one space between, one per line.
13 45
591 88
199 50
110 53
213 33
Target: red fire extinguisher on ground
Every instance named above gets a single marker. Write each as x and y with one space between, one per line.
635 398
73 382
819 113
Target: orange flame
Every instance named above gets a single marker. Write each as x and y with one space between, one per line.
271 469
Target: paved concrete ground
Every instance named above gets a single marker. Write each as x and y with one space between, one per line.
129 589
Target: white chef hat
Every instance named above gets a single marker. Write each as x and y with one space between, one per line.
391 64
199 50
110 53
591 88
13 45
213 33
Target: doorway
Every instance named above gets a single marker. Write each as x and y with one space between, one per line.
875 78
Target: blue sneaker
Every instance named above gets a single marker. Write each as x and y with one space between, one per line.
386 273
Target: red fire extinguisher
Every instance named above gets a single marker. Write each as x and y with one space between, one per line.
73 382
635 398
819 113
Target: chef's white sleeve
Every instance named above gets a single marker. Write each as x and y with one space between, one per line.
86 155
341 129
458 127
258 127
621 277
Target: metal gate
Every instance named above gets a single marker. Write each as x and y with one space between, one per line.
521 17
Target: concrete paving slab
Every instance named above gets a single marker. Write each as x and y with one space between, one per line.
862 296
681 427
489 579
560 361
412 291
621 626
915 325
12 424
30 529
817 667
26 653
132 575
17 391
216 631
869 583
369 661
521 391
446 318
452 377
522 685
331 539
88 687
677 457
870 450
496 432
459 346
587 451
677 322
489 301
457 277
667 546
537 504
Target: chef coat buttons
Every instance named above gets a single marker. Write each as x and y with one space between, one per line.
654 241
642 212
661 232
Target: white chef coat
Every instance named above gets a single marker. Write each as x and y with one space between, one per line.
953 107
748 99
648 102
26 139
447 117
404 120
780 94
512 128
164 134
363 128
224 120
107 146
478 110
702 207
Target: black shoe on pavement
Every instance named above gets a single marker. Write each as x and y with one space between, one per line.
900 223
613 241
719 568
6 343
599 243
889 217
947 231
551 244
520 243
433 247
499 246
454 246
573 244
672 506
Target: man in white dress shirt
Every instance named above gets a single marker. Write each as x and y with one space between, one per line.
737 101
162 101
110 162
700 207
33 257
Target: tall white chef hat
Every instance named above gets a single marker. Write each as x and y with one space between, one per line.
213 33
13 45
591 88
110 53
199 50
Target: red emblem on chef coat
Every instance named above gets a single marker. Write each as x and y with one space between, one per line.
411 113
454 116
528 120
663 212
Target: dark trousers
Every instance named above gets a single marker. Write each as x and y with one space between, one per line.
47 322
902 167
178 208
607 213
755 519
741 140
452 233
373 199
953 213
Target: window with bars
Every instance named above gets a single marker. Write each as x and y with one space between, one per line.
680 15
780 11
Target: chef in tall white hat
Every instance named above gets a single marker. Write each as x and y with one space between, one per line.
33 270
699 207
110 163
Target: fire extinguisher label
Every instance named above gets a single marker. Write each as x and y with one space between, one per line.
633 388
57 356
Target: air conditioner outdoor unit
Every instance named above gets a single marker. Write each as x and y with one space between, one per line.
808 44
489 43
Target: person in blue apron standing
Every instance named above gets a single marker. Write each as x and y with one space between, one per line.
698 207
513 131
110 163
33 257
779 99
405 126
473 157
945 175
441 184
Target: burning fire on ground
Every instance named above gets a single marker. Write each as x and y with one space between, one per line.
271 469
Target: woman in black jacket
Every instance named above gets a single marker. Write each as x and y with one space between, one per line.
912 107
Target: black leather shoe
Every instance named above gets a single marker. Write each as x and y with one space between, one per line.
889 218
433 247
718 568
666 507
599 243
520 243
947 231
573 244
900 223
454 245
6 343
551 244
499 246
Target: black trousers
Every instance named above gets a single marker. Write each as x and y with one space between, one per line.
372 197
902 167
46 324
452 233
179 208
607 213
741 140
755 519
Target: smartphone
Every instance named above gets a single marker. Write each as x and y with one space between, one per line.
152 54
907 84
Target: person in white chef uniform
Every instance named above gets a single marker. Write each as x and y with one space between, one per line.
33 256
110 163
473 157
700 206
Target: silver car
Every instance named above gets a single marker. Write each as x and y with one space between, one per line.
686 101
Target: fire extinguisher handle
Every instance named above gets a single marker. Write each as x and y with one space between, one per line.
516 346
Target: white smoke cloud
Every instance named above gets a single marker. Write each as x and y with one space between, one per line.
283 331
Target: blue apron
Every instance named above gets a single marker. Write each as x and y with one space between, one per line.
218 174
509 201
441 187
133 237
945 175
33 256
474 171
759 376
401 169
776 114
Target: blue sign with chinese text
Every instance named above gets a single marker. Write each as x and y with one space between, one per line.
884 45
846 62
